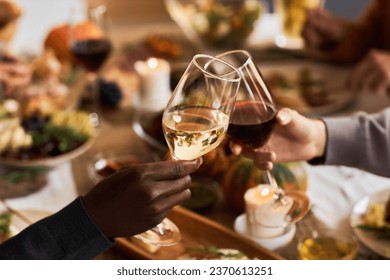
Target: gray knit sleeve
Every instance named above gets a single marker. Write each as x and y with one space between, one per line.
361 141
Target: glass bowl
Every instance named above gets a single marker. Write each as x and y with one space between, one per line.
327 244
216 24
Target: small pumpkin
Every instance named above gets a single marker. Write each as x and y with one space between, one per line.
58 38
243 174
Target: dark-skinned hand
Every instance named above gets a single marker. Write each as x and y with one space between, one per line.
139 197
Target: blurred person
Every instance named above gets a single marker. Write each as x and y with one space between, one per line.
361 141
127 203
365 42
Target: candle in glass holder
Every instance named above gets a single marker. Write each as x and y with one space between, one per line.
265 217
154 77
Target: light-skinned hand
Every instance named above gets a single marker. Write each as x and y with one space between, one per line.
372 74
294 138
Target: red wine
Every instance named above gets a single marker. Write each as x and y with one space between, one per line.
91 53
251 123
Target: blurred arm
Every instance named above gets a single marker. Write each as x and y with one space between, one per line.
360 36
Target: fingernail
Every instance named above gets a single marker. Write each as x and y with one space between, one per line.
282 117
236 150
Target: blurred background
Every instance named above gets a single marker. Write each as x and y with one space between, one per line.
30 34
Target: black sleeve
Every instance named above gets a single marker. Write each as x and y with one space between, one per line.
67 234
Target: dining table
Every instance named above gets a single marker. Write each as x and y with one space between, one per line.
332 190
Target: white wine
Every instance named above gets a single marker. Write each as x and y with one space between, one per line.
194 131
326 248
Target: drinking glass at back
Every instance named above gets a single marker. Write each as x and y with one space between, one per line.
90 45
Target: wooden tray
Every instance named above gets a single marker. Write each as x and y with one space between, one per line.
197 231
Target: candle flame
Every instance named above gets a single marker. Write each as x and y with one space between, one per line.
153 63
265 191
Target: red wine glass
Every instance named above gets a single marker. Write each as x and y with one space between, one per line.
89 44
254 114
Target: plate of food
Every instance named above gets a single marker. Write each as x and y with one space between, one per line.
370 219
42 139
311 88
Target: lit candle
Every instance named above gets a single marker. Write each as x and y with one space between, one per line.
154 77
265 217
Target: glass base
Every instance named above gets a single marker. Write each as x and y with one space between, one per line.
164 234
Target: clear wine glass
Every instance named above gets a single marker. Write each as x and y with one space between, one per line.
251 124
90 45
254 117
195 121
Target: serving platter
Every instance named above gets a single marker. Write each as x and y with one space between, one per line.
197 232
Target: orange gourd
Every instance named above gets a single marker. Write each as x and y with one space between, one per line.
57 39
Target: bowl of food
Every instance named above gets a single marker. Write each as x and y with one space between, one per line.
216 24
42 139
18 182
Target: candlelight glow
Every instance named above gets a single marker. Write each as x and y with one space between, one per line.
152 63
265 191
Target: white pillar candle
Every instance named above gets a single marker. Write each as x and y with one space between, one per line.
154 77
265 218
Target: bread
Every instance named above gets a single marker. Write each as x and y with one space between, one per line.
9 12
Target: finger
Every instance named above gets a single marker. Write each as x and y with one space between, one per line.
236 149
168 202
264 165
260 156
172 169
374 81
169 187
311 37
358 76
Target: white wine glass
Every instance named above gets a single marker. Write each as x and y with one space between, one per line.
195 121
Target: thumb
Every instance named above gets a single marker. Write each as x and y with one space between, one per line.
284 116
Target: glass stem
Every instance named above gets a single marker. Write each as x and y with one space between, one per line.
278 193
95 111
